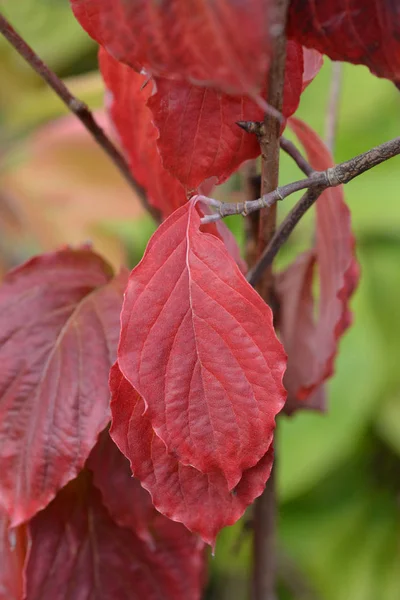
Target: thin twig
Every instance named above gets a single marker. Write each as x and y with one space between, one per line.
292 150
77 107
282 234
333 105
340 174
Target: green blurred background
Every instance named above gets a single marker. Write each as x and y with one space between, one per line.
339 472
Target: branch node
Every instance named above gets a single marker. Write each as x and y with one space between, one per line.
332 177
245 211
254 127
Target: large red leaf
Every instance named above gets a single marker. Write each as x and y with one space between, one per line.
202 501
222 43
311 328
12 558
133 122
358 31
198 344
199 137
79 553
127 502
59 325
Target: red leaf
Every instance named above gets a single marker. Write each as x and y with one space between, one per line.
199 137
202 502
127 502
12 557
358 31
79 553
198 344
221 43
311 333
133 121
59 324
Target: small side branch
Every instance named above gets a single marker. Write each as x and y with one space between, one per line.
77 107
338 175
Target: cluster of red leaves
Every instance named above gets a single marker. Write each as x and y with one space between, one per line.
178 136
99 536
215 44
197 379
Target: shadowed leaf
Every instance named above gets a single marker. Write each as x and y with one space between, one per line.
59 325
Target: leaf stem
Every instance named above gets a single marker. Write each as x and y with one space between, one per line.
77 107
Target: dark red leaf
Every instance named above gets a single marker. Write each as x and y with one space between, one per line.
198 344
12 558
133 122
363 32
59 325
221 43
203 502
79 553
311 327
199 137
127 502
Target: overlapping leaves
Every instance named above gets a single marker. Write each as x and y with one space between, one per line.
178 136
88 544
198 133
202 501
199 350
216 43
128 94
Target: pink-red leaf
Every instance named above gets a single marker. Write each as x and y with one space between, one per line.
198 344
79 553
202 502
127 502
363 32
221 43
199 137
311 328
133 122
59 325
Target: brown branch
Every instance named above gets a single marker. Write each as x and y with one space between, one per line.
333 105
265 511
340 174
77 107
258 129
